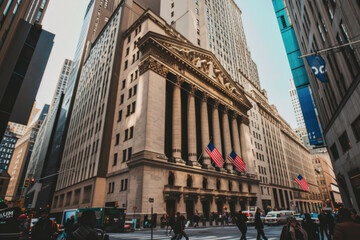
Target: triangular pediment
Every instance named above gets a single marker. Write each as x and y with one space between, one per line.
201 60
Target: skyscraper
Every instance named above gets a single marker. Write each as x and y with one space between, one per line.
298 71
63 80
320 25
24 51
296 105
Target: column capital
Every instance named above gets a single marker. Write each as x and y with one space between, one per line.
235 115
193 89
180 80
226 109
205 97
216 104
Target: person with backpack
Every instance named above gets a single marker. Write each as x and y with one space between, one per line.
44 229
240 221
293 231
259 225
310 227
86 230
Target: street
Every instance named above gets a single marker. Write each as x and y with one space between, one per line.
211 233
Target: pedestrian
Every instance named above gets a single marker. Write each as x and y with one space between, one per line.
293 231
331 224
69 227
346 228
44 229
259 225
179 228
86 230
196 219
310 227
354 216
171 224
240 221
24 226
323 224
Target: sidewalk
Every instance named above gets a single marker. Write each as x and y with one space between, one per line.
190 227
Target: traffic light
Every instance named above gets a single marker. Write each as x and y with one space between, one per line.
27 182
32 182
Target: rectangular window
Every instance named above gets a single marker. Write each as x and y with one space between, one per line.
127 51
135 90
129 39
198 41
117 139
133 106
126 134
125 184
126 65
344 142
120 116
123 84
131 132
130 93
129 153
133 59
122 185
283 21
115 159
172 14
128 110
124 155
87 194
122 99
197 22
172 5
356 128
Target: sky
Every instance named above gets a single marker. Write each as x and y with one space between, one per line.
64 19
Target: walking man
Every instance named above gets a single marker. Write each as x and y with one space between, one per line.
179 228
259 226
240 221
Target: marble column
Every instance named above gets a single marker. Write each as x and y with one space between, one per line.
246 147
176 123
191 118
227 141
216 127
235 135
205 132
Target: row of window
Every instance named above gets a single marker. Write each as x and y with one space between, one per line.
126 156
123 186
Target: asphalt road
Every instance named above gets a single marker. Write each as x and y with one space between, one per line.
210 233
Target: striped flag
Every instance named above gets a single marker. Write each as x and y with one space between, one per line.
237 161
303 184
214 154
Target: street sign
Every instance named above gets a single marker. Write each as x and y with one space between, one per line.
151 200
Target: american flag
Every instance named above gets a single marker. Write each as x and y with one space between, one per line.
301 181
214 154
237 161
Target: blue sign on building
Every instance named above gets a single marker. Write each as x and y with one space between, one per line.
299 73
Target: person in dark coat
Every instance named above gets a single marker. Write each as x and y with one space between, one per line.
292 230
310 227
86 230
354 216
240 221
346 228
44 229
179 228
323 225
330 225
259 226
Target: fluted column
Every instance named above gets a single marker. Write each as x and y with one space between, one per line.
246 148
216 127
192 156
227 140
235 135
176 123
205 133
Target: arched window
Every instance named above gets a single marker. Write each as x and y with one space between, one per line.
171 179
189 181
218 184
204 183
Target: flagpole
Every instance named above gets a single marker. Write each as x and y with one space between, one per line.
329 49
202 152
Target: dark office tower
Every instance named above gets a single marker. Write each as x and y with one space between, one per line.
324 24
24 51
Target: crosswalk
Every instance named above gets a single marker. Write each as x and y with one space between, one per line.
135 236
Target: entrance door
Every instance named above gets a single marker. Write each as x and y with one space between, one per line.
232 206
189 208
219 206
171 207
206 208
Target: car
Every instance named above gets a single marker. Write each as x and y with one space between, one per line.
314 217
278 217
250 215
298 217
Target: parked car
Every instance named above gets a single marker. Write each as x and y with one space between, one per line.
278 217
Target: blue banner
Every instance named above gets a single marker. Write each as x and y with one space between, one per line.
318 65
